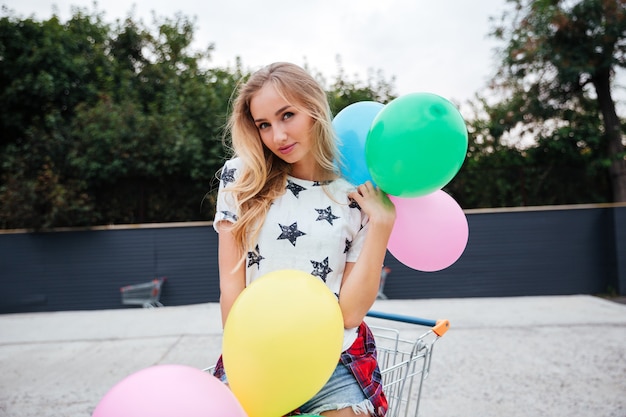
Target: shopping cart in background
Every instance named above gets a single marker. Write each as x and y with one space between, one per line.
146 294
404 361
381 287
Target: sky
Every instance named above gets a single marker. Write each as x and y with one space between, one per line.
440 47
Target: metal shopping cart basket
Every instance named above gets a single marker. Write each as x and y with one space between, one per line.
404 362
146 294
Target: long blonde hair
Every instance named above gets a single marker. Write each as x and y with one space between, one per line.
263 176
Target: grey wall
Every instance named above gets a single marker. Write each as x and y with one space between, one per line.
544 252
72 270
549 251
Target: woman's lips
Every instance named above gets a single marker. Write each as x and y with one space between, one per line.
286 149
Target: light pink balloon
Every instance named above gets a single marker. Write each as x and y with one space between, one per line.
169 390
430 232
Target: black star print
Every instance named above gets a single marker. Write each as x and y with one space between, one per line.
254 257
354 204
294 188
229 215
348 246
228 175
326 214
321 269
321 183
290 232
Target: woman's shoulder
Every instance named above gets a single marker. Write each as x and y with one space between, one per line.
234 162
341 184
231 169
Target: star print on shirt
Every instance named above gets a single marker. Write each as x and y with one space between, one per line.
228 175
290 232
326 214
254 257
321 183
294 188
229 215
321 269
348 246
354 204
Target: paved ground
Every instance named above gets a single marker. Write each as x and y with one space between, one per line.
526 356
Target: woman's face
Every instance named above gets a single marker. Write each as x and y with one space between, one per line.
285 130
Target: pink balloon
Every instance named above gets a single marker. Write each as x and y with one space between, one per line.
169 390
430 232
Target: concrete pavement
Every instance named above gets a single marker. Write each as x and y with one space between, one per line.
520 356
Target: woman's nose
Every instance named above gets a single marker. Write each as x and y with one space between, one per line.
280 134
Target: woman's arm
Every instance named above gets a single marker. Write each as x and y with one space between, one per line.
231 270
361 279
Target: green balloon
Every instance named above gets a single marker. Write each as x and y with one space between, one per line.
416 145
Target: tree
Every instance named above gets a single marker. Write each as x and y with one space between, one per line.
557 168
343 91
46 69
115 123
557 72
106 123
492 174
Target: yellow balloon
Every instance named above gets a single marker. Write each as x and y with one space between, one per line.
282 341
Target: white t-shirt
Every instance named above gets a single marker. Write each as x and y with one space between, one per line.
305 229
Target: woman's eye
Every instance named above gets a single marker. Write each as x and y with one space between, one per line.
288 115
263 125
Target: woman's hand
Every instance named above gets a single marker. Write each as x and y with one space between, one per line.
375 203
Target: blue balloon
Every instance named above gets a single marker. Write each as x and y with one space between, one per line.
352 125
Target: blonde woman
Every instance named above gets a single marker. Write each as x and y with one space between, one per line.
282 205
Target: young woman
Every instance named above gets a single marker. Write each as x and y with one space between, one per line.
282 205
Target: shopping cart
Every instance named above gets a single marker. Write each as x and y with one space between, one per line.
404 362
381 287
146 294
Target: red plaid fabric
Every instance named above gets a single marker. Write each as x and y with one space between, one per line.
360 358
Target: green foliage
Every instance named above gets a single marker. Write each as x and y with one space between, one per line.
115 123
344 91
106 124
553 90
123 123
